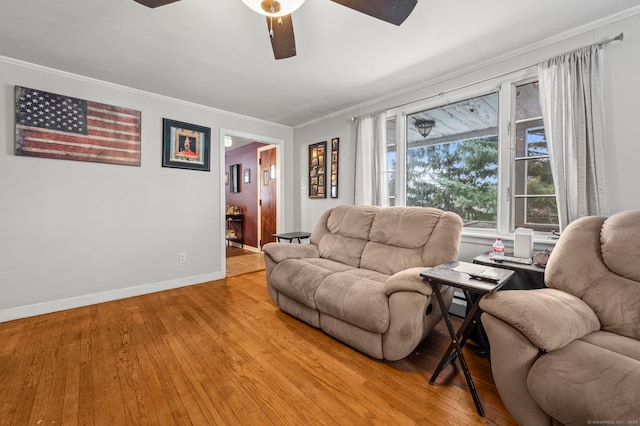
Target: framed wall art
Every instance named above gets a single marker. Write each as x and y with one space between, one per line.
317 171
247 176
57 126
335 145
234 178
185 146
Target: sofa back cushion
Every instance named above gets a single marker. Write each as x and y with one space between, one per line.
388 240
400 236
342 232
620 244
598 260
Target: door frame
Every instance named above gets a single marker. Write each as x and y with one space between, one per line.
279 144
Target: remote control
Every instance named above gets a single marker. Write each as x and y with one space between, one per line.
513 260
517 260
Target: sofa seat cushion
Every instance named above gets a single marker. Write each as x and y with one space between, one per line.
582 382
616 343
357 297
300 278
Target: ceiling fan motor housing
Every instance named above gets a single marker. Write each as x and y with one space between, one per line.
271 6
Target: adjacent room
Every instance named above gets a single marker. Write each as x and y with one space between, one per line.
319 212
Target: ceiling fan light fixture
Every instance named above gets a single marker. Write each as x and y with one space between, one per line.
424 126
273 7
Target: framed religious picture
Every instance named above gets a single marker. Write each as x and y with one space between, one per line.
317 170
335 144
185 146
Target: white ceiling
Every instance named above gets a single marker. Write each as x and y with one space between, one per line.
217 52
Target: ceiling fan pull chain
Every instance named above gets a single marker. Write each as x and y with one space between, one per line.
271 34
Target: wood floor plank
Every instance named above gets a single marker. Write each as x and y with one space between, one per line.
49 395
221 353
73 343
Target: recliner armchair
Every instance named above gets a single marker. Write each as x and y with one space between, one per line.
570 353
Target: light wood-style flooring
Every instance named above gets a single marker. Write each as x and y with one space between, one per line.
220 353
241 261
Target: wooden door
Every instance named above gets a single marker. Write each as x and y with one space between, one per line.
268 182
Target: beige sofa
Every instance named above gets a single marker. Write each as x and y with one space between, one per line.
570 354
359 278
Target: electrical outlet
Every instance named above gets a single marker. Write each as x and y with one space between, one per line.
182 257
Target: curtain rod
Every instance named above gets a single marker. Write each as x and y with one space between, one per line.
619 37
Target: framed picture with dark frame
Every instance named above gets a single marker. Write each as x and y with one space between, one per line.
317 170
234 178
185 146
335 145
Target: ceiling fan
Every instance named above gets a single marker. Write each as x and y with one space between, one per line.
279 12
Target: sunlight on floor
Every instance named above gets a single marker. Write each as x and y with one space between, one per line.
240 261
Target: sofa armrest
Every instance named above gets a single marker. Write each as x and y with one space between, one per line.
408 280
549 318
283 251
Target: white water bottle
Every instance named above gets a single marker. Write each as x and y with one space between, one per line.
498 250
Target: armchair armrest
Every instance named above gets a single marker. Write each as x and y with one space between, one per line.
283 251
549 318
408 280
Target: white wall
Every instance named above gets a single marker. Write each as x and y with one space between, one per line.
312 209
74 233
621 88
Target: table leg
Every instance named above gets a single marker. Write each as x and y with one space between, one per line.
455 346
474 314
462 334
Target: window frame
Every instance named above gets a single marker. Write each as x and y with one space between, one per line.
543 229
505 87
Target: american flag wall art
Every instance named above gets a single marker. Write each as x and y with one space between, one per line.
56 126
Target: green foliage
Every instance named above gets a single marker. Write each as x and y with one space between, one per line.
459 176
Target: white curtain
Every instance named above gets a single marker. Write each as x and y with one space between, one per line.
371 160
573 112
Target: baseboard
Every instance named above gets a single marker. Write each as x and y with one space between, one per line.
245 247
106 296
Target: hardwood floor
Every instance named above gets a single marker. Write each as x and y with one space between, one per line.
241 261
220 353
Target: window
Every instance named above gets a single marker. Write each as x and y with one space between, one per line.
469 161
391 159
535 201
455 166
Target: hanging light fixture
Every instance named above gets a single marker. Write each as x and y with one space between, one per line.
273 8
424 126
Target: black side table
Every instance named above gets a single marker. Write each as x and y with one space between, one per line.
290 236
457 274
527 277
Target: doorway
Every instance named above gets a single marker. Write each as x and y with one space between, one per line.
260 155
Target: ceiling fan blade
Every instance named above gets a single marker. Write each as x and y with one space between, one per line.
283 40
155 3
392 11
